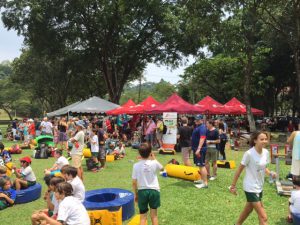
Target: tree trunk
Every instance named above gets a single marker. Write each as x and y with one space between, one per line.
297 68
8 113
248 73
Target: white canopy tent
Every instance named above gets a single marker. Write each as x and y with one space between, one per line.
94 105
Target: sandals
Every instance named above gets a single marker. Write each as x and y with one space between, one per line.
289 219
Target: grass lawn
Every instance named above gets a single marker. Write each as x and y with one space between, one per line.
181 202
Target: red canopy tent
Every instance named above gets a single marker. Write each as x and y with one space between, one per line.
175 104
145 105
234 106
211 106
121 109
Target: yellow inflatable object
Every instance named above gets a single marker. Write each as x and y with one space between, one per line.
106 217
33 142
9 169
184 172
226 164
135 220
87 153
110 158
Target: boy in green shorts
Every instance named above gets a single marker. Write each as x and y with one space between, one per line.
145 184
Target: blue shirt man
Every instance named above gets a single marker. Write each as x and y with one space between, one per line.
199 150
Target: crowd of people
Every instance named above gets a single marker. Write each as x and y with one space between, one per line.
200 139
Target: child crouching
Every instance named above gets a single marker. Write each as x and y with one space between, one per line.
7 194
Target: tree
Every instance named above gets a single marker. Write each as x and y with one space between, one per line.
122 35
159 91
239 36
56 80
284 18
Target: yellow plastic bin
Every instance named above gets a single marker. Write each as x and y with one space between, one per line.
110 158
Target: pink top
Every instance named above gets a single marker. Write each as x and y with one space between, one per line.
150 128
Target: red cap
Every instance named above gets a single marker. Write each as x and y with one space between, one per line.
26 159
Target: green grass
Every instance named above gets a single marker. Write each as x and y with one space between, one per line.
181 202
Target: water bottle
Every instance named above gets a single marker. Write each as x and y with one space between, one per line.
164 173
271 180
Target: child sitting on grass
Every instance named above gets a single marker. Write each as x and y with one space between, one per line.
26 177
7 194
119 151
145 184
4 154
70 174
59 163
3 171
49 197
294 200
71 210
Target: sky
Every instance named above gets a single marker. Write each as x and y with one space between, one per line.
11 43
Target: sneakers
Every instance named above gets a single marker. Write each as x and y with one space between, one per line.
212 178
198 181
201 186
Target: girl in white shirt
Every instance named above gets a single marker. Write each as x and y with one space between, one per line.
254 162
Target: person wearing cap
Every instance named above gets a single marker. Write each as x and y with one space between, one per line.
77 149
26 177
199 150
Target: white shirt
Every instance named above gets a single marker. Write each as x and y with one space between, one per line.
78 188
72 212
95 144
295 202
46 127
145 172
61 161
28 174
55 203
255 166
79 137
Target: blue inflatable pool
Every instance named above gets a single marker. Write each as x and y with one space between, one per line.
29 194
110 199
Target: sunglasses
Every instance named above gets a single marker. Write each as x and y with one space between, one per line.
23 161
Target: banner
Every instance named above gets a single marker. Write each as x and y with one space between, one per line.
170 138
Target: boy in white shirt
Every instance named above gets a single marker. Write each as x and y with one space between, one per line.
145 184
70 174
26 177
294 199
95 149
71 211
59 163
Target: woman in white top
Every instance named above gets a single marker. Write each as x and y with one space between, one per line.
254 162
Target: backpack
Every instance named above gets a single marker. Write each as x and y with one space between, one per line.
165 129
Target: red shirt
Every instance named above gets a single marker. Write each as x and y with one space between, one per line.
32 129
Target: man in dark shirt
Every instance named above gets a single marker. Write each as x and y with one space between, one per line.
199 149
184 136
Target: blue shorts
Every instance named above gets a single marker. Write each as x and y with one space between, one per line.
149 137
200 161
